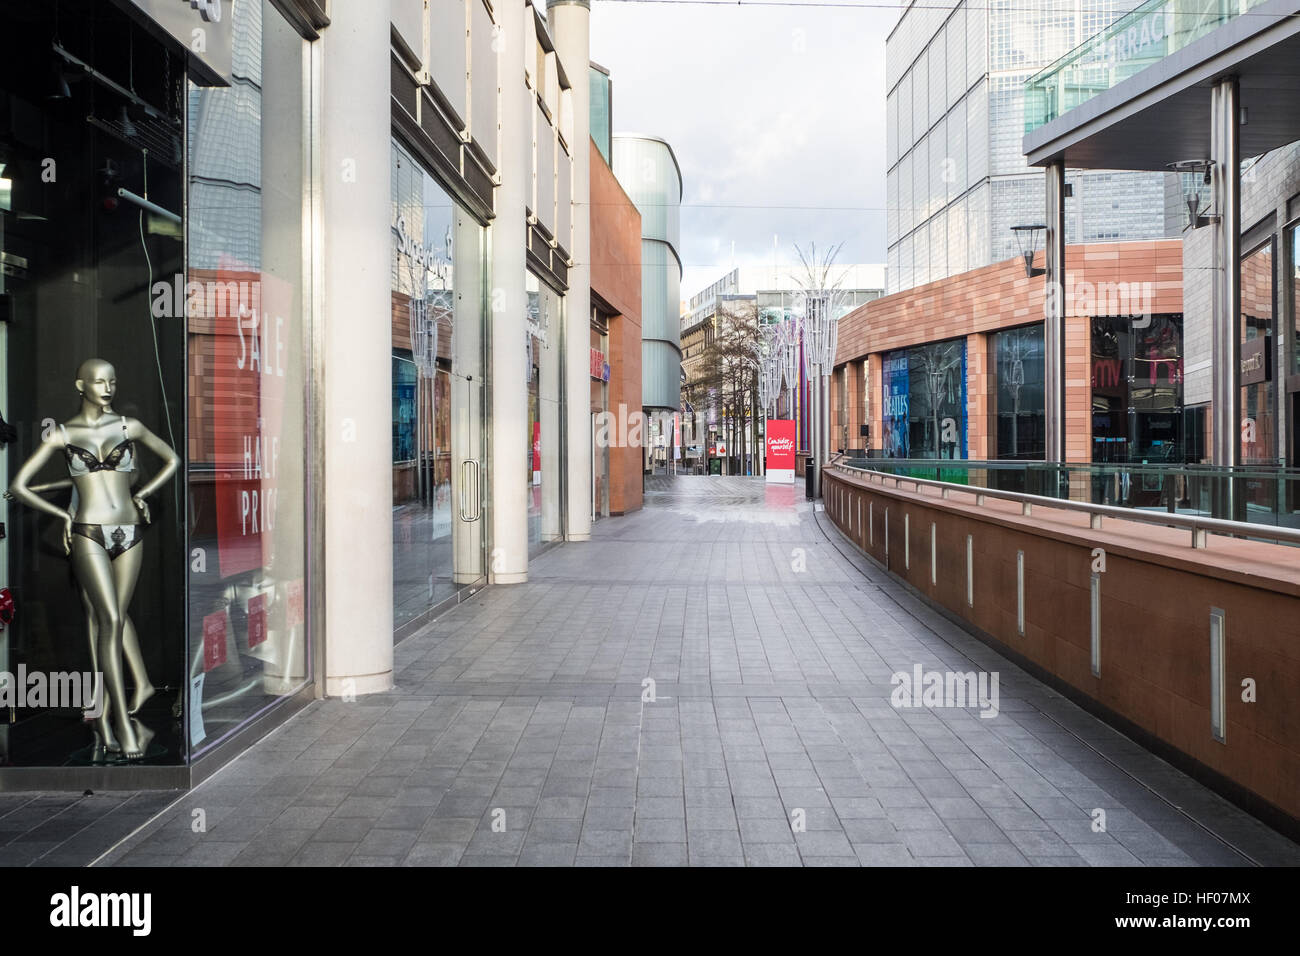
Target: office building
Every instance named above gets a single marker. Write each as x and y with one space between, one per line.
957 180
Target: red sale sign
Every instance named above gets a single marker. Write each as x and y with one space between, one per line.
780 450
256 620
297 604
249 315
214 640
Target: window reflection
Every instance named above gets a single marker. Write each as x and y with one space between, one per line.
1018 397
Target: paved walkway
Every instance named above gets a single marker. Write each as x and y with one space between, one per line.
521 731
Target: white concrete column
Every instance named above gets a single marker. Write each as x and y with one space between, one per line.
1225 150
358 349
570 27
508 437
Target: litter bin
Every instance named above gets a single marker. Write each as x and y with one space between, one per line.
810 477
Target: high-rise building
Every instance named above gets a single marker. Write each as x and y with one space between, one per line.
957 179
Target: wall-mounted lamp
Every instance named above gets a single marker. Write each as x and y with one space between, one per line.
1027 238
1199 170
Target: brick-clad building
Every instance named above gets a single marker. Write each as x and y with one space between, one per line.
954 368
616 330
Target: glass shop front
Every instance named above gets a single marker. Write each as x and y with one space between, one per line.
154 330
438 340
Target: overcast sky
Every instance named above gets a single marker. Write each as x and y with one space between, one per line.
777 117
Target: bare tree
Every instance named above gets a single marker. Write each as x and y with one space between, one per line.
728 369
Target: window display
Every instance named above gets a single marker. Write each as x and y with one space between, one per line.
103 528
924 414
93 560
1137 388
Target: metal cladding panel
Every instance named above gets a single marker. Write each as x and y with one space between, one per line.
408 21
563 196
544 164
483 82
601 117
647 171
661 279
661 375
447 57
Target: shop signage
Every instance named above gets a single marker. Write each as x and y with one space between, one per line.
599 367
202 27
895 406
420 254
537 453
780 451
253 333
1145 38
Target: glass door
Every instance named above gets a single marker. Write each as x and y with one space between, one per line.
438 321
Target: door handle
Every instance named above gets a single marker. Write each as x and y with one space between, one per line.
469 474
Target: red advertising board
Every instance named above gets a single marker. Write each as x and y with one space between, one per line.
537 453
252 315
780 450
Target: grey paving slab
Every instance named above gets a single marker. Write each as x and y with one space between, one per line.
524 707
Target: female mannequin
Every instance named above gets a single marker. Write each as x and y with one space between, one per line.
103 537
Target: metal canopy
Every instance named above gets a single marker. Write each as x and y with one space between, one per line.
1162 115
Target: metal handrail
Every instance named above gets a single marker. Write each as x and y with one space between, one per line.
1200 527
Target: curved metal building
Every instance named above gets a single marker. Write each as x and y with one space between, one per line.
648 171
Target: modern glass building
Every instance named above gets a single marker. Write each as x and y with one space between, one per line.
602 111
957 179
648 171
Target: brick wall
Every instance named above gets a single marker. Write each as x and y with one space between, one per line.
616 278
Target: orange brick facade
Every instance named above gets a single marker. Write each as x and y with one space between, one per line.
1114 278
616 279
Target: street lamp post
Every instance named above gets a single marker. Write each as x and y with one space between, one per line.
820 335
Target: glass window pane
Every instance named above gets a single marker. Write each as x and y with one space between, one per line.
247 378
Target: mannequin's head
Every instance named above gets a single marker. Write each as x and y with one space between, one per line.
97 382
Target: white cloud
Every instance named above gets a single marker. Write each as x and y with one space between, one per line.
776 115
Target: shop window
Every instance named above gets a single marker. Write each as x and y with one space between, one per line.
85 274
1137 389
1020 423
1258 419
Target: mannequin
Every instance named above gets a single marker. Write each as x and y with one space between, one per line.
103 538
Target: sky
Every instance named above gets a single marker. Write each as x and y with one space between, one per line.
776 115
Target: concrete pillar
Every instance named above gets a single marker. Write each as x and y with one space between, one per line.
357 203
468 476
1225 150
509 438
570 29
1054 314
